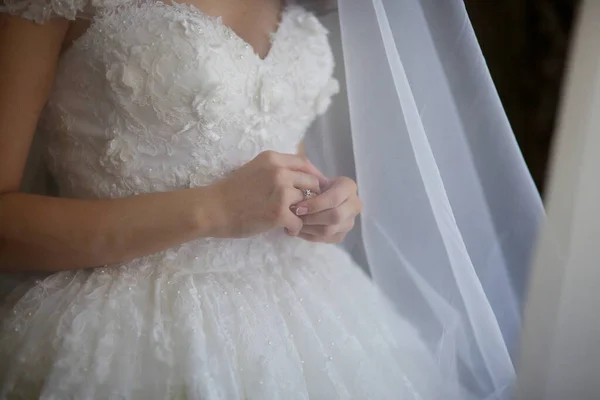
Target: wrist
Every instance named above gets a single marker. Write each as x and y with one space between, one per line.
209 214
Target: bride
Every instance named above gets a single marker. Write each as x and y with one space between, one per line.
189 255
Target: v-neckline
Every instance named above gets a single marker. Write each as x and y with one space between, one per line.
234 35
272 35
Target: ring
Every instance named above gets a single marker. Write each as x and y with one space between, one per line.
308 194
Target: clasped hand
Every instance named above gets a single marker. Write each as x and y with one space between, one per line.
267 193
330 215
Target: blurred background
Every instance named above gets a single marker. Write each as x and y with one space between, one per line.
526 44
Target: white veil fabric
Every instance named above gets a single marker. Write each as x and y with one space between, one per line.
451 213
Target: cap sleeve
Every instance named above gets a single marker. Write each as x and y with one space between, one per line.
41 11
316 38
323 101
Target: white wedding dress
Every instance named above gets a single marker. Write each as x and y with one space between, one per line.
158 97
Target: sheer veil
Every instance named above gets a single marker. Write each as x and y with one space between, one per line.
450 211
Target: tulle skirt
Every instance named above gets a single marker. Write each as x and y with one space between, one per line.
264 318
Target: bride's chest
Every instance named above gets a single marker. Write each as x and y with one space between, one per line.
174 68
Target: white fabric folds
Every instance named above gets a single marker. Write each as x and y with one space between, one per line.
450 210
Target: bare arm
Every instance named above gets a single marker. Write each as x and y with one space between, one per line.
43 233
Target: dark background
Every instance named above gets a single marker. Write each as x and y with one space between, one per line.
526 43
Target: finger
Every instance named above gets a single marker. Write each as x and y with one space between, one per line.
324 182
345 211
339 192
311 238
329 230
317 230
302 181
298 163
338 238
292 224
291 197
291 185
321 230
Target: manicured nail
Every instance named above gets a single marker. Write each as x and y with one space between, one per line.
301 210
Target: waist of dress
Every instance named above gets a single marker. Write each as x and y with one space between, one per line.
220 255
271 253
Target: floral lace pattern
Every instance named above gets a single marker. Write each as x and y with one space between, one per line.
155 97
168 82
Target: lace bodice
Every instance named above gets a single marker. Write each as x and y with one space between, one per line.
156 97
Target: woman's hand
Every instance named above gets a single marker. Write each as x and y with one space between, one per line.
257 197
329 216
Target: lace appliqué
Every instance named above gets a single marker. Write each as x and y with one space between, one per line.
165 97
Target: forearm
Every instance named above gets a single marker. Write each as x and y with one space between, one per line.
51 234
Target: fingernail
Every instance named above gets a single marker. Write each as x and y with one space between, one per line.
301 210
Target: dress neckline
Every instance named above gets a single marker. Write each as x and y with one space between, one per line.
232 34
